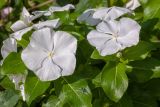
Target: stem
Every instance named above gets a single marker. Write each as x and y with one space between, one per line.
42 4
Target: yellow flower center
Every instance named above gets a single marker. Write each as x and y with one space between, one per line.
50 54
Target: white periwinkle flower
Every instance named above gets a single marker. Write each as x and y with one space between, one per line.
87 17
50 54
111 13
53 9
95 16
24 25
132 4
113 36
9 45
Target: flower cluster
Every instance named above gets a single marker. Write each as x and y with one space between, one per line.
113 33
50 54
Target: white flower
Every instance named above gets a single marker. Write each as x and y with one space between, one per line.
24 25
87 17
113 36
54 9
132 4
111 13
49 23
95 16
19 80
50 54
9 45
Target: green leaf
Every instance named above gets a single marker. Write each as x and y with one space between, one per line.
53 100
144 70
97 80
151 9
34 88
76 94
139 51
8 98
126 101
13 64
7 83
3 2
85 4
114 80
96 55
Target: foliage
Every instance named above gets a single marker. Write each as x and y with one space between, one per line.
129 78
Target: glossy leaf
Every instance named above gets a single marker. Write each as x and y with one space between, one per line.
114 80
13 64
34 88
8 98
151 6
139 51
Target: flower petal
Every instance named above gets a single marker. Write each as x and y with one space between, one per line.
97 39
64 43
108 27
48 71
110 13
9 45
116 12
132 4
129 32
100 13
49 23
18 25
43 39
26 16
67 62
64 8
87 17
126 25
109 48
32 57
18 34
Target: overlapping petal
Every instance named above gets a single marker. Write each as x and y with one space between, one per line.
98 39
121 34
64 43
87 17
50 54
49 23
109 27
18 34
110 13
48 71
132 4
66 62
64 8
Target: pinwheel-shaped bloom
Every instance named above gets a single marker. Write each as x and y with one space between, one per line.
132 4
50 54
54 9
25 24
95 16
113 36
